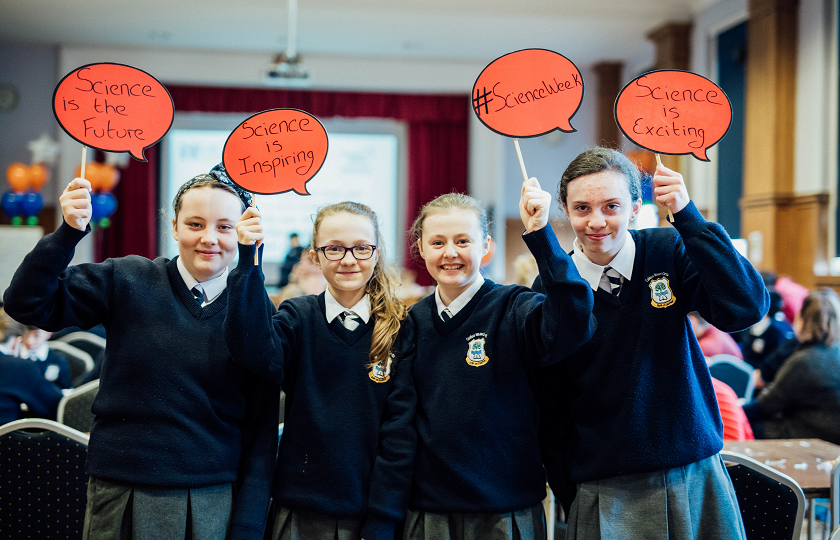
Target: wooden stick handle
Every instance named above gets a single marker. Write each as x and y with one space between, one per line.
670 215
84 159
521 161
257 251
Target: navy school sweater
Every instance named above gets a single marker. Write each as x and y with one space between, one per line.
337 408
638 397
172 409
476 415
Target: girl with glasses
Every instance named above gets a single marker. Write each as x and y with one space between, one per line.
336 355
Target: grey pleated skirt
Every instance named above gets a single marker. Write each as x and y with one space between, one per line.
528 524
117 511
305 525
694 502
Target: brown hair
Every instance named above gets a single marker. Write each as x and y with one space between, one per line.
202 180
387 310
598 160
820 315
442 204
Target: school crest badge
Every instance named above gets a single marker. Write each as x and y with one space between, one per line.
381 372
661 295
475 353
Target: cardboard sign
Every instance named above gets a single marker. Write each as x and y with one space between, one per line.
673 112
113 107
528 93
276 151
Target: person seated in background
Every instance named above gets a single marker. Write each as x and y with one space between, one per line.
804 399
292 258
53 365
761 340
736 427
20 380
712 341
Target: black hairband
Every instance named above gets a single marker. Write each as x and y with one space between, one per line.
219 174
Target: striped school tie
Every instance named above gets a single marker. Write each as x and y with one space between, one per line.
199 296
350 320
445 314
615 280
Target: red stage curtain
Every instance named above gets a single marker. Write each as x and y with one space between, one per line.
437 150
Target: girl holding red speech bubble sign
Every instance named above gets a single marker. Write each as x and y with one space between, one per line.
338 357
478 472
183 441
632 414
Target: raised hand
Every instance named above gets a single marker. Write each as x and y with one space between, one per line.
534 205
75 204
669 188
249 227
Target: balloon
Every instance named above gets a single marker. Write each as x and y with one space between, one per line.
94 174
10 202
31 203
38 176
17 176
103 205
110 177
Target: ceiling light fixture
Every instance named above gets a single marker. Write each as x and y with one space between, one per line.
287 70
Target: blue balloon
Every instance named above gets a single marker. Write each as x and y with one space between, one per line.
31 203
10 201
103 205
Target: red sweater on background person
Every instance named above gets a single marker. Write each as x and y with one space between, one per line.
736 427
712 340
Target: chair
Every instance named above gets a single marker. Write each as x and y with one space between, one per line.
43 493
834 497
772 504
81 363
74 408
739 375
86 341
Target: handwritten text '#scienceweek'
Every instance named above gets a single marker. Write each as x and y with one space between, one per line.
509 100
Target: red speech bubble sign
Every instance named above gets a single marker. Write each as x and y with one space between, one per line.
276 151
528 93
673 112
113 107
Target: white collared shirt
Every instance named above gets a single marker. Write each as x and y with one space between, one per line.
211 289
40 353
463 299
334 309
593 273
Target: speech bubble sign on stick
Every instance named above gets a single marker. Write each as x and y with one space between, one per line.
113 107
528 93
276 151
673 112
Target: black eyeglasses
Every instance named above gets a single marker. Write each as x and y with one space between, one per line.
336 253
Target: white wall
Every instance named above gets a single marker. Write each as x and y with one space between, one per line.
815 167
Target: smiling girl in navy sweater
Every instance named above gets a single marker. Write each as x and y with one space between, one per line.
336 355
177 423
478 472
645 429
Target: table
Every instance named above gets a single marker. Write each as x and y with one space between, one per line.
784 454
807 461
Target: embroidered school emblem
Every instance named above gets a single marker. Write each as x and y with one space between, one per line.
475 353
661 295
381 372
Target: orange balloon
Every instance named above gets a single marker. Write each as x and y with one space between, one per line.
17 175
110 177
38 176
88 171
93 174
